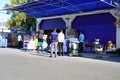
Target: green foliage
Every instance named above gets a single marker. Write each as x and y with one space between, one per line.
13 2
20 20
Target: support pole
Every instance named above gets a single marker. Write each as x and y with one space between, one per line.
37 25
68 20
114 13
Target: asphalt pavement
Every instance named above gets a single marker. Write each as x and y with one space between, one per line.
17 64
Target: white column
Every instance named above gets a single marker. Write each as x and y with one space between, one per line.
68 20
113 12
37 25
118 38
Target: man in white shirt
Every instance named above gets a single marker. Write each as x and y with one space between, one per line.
19 41
61 39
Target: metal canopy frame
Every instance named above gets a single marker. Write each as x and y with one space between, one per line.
46 8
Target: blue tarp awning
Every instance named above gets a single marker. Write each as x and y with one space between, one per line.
96 25
50 24
46 8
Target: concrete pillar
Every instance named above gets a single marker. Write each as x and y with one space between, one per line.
118 38
37 25
113 12
68 20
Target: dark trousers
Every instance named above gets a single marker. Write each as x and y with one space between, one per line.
81 47
60 46
19 44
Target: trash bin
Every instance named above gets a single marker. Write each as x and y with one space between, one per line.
74 48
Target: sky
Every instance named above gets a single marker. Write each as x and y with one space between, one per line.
3 16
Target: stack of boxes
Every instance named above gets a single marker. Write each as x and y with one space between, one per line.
3 43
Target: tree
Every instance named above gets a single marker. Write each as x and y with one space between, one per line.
20 20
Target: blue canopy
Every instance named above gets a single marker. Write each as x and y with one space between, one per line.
96 25
45 8
50 24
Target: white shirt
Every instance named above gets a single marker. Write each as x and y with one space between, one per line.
97 41
19 38
61 37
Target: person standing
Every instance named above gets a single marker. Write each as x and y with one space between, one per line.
97 43
36 42
81 40
54 43
40 40
19 41
61 39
